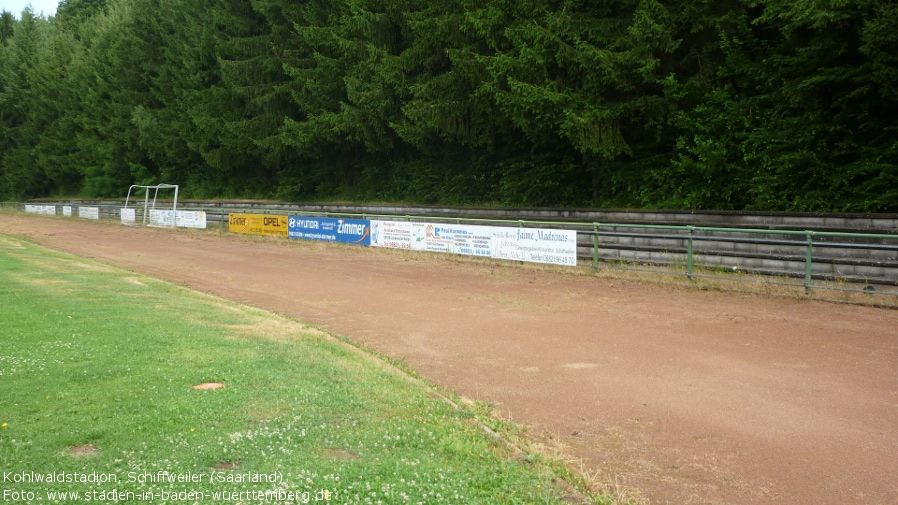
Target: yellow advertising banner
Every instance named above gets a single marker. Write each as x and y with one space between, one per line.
258 224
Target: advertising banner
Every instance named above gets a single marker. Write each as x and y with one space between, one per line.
397 235
192 219
67 210
129 216
470 240
556 247
258 224
327 229
185 218
47 210
89 212
162 218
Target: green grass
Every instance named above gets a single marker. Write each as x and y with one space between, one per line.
96 369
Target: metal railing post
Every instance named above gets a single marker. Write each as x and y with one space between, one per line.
595 246
689 253
807 263
146 203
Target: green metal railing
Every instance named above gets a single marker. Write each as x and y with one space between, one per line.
686 235
689 238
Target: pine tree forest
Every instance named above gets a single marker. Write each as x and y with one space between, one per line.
782 105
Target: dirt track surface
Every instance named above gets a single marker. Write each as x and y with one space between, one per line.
691 397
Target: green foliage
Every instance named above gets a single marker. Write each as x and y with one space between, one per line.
793 114
735 104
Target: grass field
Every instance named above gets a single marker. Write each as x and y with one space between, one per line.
97 368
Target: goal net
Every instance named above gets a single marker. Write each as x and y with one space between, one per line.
159 207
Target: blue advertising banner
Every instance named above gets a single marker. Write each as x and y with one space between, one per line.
328 229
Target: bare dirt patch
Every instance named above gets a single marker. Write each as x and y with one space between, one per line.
228 465
208 385
341 455
81 451
696 397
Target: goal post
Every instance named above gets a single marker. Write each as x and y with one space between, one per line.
155 213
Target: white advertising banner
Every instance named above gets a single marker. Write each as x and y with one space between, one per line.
185 218
47 210
129 216
471 240
192 219
397 235
67 210
89 212
162 218
535 245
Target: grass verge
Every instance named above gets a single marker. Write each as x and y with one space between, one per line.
97 367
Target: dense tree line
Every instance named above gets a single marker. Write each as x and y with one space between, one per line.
705 104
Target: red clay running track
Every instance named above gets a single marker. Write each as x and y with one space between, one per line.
692 397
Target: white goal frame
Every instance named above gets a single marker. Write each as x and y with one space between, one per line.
147 208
